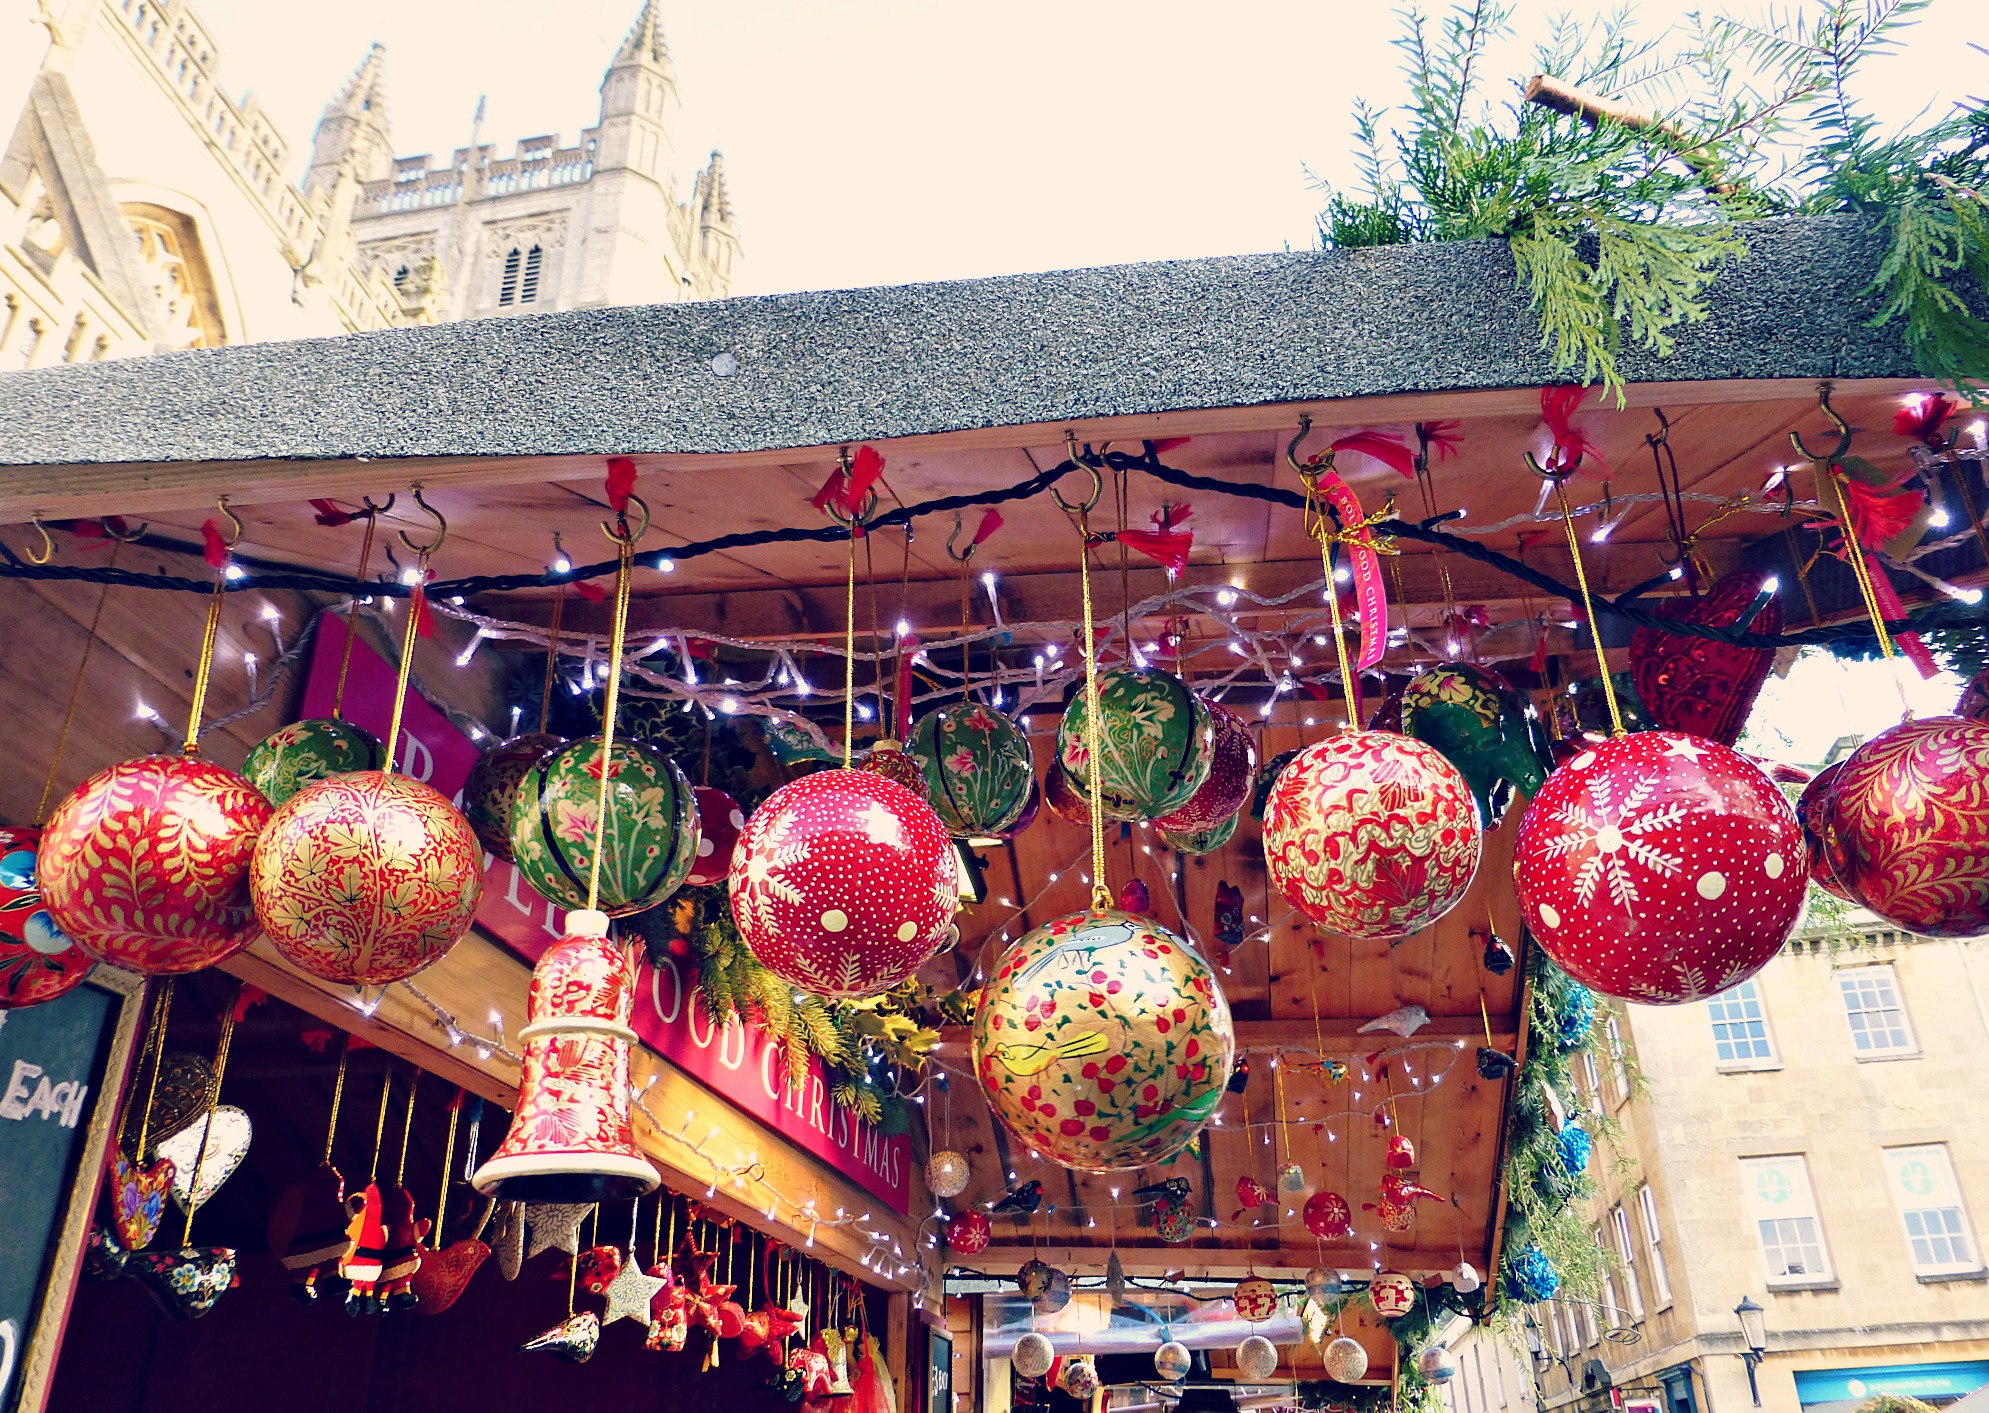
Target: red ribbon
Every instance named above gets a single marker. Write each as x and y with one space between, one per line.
620 483
1446 438
417 604
1389 451
846 493
1922 418
216 548
247 999
990 522
1161 444
1880 516
1571 444
1365 565
329 514
591 592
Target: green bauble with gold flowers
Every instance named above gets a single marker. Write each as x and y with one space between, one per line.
1202 841
649 841
1155 743
977 768
305 752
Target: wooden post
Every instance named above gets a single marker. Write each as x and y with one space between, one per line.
1550 92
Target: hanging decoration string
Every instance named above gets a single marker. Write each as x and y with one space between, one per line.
75 691
417 610
207 1122
1101 892
372 517
448 1156
380 1124
407 1128
337 1097
206 664
1558 477
1318 527
552 656
155 1047
849 653
625 540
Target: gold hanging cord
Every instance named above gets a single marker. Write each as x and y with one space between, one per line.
1322 523
1101 894
206 664
624 538
1556 474
371 514
415 610
193 1202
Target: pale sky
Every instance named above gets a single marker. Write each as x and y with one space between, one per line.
888 141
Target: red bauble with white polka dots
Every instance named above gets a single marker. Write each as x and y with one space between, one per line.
1660 868
844 883
719 821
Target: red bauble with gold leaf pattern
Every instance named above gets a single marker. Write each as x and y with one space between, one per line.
1809 814
1372 834
1906 824
844 883
1660 868
146 864
38 960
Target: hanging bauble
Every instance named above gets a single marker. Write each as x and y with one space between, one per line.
1810 814
1056 1295
946 1173
844 883
1065 796
1155 743
720 821
1256 1299
146 864
1033 1278
1115 1279
890 760
1172 1360
1031 807
1587 708
1345 1360
1033 1355
1530 1276
1699 686
1103 1042
1907 826
1478 721
1328 1216
1437 1364
1974 702
969 1233
1202 841
1464 1278
1660 868
649 839
1173 1220
1231 779
38 962
493 784
1371 834
1291 1181
1575 1148
1256 1358
1267 777
305 752
977 768
1388 716
1080 1378
365 878
1322 1283
1392 1294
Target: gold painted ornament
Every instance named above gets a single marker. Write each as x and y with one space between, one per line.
946 1173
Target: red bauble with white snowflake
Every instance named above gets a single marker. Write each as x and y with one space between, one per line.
1372 834
969 1233
1660 868
1809 814
1906 826
719 821
844 883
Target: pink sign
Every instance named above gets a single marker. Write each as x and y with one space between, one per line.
737 1062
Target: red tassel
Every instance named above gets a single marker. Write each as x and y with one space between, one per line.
1387 450
319 1039
589 591
1571 445
831 492
1168 548
246 1000
863 473
1171 516
417 604
1922 417
621 483
990 522
329 513
1169 443
1445 438
216 548
1879 517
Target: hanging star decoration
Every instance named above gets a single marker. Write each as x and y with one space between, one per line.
630 1292
555 1225
508 1239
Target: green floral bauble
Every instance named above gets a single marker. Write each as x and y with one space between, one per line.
1202 841
1478 721
1155 743
305 752
977 768
651 833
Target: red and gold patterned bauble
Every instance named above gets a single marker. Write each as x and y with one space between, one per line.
1372 834
969 1233
1809 814
844 883
1906 824
1256 1299
365 878
38 962
719 821
493 784
1232 776
1065 796
146 864
1660 868
1328 1215
892 761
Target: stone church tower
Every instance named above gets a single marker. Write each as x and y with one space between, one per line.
142 209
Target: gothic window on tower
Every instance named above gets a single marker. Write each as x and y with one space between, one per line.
507 287
528 286
519 283
171 250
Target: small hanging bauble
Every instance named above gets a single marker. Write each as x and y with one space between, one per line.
305 752
146 864
1464 1278
1530 1276
1328 1216
365 878
1291 1181
890 760
38 962
1392 1294
1172 1360
1437 1364
1065 796
1202 841
1056 1295
978 770
1322 1283
1256 1299
1103 1042
1256 1358
648 842
1660 868
493 786
1810 814
844 883
969 1233
1115 1279
1032 1278
1155 743
1033 1355
1232 776
1267 777
1371 834
1080 1378
720 821
1345 1360
1907 826
946 1173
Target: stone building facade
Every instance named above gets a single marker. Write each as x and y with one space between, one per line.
143 209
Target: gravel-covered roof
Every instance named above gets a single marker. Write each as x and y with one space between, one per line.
811 369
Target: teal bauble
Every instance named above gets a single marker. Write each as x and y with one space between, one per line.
649 842
978 770
305 752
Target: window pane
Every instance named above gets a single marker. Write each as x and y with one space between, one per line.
1929 1201
1871 1001
1779 1198
1740 1027
1660 1275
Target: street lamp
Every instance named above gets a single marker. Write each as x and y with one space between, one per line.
1754 1332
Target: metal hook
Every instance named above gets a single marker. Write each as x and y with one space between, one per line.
1554 470
378 510
1843 431
129 536
234 522
845 518
621 519
1097 481
958 556
1308 471
1663 437
441 526
47 544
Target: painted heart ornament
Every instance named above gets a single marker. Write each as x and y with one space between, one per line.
1696 685
227 1133
138 1199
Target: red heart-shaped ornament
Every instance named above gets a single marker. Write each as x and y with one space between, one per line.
1696 685
138 1199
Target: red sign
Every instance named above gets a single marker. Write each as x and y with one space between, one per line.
738 1062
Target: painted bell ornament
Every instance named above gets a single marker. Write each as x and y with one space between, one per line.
1291 1181
720 822
947 1173
492 786
1155 743
1256 1299
1256 1358
38 961
1103 1042
1172 1360
1372 835
649 834
1346 1360
1660 868
305 752
1231 778
146 864
977 767
1475 718
365 878
1392 1294
1033 1355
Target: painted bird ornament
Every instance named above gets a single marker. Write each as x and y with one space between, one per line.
1020 1200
